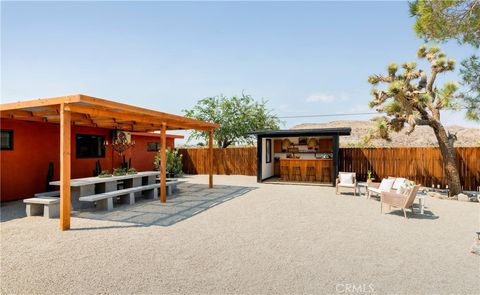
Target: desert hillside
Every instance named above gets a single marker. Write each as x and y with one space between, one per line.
422 136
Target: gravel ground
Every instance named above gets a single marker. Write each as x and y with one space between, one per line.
274 239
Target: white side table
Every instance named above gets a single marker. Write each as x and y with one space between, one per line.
360 185
421 202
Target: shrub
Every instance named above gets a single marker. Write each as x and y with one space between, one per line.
132 171
119 171
104 173
174 163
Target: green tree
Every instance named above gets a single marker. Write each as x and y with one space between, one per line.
470 73
237 116
412 98
459 20
443 20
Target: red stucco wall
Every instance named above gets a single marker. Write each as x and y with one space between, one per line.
24 169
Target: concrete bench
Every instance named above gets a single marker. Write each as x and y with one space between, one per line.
48 194
105 200
171 185
48 206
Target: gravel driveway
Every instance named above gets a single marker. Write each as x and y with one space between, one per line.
274 239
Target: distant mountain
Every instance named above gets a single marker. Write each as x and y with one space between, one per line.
422 136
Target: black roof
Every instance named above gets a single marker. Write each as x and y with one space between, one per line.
303 132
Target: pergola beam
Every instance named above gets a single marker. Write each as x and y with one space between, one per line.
134 117
40 102
51 111
166 117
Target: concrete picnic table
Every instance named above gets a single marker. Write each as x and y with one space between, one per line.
95 185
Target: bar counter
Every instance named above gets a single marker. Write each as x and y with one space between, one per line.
323 169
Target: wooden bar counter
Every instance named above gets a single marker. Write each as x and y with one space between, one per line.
323 169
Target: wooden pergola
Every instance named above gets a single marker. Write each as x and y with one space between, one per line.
82 110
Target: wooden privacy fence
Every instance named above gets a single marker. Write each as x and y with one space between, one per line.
229 161
422 165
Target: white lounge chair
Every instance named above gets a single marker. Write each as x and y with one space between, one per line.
377 188
347 180
403 200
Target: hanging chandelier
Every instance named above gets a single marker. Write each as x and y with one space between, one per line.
120 143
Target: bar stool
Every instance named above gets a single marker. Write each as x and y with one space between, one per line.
311 173
284 173
297 174
326 174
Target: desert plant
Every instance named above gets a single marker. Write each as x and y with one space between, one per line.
98 168
119 171
369 175
174 163
132 171
104 173
406 102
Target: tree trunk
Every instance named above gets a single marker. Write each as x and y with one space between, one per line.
448 155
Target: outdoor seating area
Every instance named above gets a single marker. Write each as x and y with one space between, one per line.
101 193
396 192
102 190
100 118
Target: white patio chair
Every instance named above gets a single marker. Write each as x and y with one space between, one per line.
347 180
377 188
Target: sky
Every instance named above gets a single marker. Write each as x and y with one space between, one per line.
304 58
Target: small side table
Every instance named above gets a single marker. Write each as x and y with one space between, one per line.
360 185
421 202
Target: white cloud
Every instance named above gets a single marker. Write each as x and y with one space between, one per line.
326 97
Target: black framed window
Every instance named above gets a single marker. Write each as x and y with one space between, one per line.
268 150
6 140
153 146
90 146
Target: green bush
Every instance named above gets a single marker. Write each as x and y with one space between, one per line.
119 171
132 171
174 163
104 173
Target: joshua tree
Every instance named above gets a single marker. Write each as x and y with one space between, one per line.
411 98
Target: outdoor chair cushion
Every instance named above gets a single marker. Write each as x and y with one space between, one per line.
398 182
346 184
386 185
346 178
401 190
374 190
404 188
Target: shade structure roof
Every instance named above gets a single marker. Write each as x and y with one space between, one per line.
303 132
97 112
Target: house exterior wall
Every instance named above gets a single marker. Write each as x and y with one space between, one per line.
23 170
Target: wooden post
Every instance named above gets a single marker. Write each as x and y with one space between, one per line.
163 166
65 142
334 172
210 159
259 159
